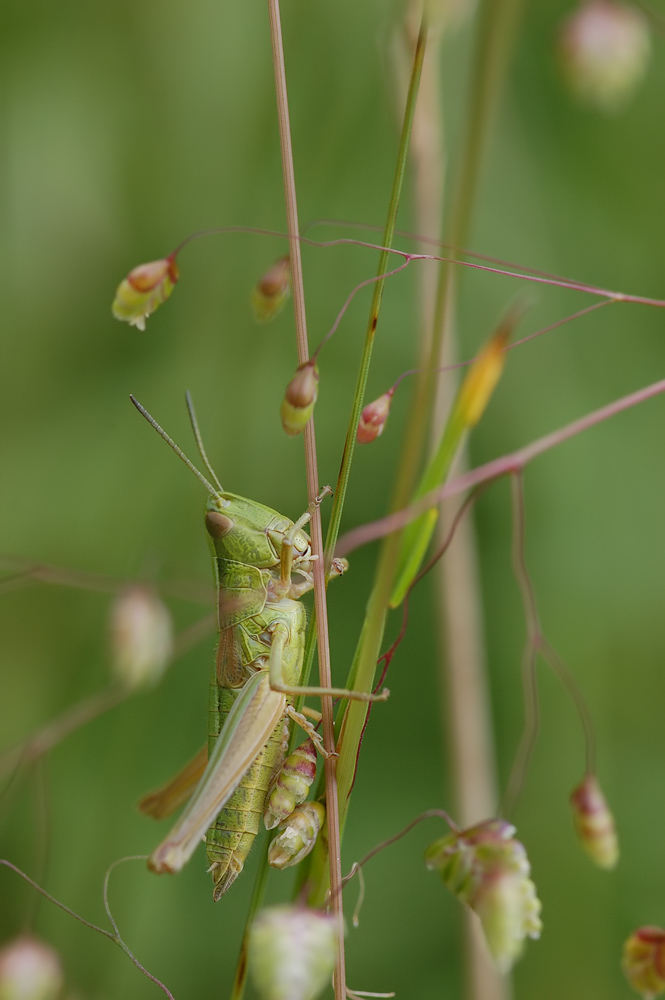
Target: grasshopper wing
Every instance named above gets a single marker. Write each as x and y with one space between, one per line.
255 713
165 800
230 668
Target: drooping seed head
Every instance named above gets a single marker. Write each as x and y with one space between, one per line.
486 868
292 952
291 786
594 823
272 291
299 398
29 970
509 912
298 836
643 961
141 636
373 418
604 50
143 290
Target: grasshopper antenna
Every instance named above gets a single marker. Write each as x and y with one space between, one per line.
199 440
171 443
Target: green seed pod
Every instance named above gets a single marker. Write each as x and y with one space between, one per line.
29 970
141 638
292 952
143 290
298 836
291 786
272 291
460 858
299 398
486 868
643 961
509 912
594 823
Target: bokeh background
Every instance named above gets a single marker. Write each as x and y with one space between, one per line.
127 126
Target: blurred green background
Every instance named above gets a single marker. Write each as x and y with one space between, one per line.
125 127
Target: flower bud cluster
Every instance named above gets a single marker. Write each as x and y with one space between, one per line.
272 291
373 418
299 398
298 836
486 868
143 290
594 823
291 786
643 961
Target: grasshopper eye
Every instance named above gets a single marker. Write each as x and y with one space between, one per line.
217 525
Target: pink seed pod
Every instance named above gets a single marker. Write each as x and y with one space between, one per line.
143 290
594 823
272 291
643 961
604 50
486 868
141 638
299 398
291 786
298 836
373 418
30 970
292 952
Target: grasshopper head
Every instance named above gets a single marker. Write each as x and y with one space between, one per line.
251 533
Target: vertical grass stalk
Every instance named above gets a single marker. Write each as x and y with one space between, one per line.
325 679
364 663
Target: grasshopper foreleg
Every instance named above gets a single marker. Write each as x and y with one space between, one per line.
286 561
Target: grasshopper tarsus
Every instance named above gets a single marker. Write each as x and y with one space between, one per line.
320 497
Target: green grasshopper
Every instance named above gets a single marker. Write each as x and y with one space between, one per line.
262 563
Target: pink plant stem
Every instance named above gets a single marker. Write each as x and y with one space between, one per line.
325 678
509 347
27 571
89 708
514 462
529 655
428 814
363 284
430 241
536 644
524 273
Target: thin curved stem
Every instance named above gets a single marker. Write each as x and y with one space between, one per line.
513 462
